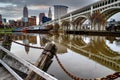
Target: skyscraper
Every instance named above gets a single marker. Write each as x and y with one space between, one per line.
0 19
25 11
4 20
49 13
40 17
60 10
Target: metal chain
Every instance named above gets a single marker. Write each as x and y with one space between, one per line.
108 77
68 73
30 46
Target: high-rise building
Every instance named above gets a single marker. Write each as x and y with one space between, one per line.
0 19
41 15
12 23
25 21
60 10
49 13
25 11
4 20
32 21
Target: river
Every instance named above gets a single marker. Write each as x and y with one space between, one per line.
83 56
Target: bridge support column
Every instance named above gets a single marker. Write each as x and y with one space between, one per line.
91 10
71 25
70 17
59 21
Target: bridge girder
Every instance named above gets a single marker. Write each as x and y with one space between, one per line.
110 12
77 23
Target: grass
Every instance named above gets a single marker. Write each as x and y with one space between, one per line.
6 30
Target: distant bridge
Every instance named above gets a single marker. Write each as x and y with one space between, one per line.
96 14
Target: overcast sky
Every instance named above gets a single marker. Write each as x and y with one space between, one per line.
13 9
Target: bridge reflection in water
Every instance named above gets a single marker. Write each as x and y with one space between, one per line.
92 48
95 48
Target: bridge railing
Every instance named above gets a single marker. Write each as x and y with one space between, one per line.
29 65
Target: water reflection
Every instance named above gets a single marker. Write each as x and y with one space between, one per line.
84 56
113 43
93 47
43 61
6 41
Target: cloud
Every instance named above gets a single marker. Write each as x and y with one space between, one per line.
38 7
14 8
6 4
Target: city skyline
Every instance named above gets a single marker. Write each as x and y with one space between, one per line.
14 9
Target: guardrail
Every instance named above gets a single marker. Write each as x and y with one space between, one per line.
10 70
30 66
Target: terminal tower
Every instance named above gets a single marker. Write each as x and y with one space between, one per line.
25 11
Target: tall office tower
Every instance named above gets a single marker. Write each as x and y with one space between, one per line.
50 13
40 17
60 10
0 19
25 11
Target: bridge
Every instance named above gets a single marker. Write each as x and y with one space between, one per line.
96 14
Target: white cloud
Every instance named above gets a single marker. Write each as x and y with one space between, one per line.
38 7
7 4
14 8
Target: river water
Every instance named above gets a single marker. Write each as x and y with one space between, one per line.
84 56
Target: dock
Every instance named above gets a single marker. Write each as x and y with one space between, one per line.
5 74
9 62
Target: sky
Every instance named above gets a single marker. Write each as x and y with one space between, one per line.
13 9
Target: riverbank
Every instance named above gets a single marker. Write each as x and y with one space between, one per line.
6 30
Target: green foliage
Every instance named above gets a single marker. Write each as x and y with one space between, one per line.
6 30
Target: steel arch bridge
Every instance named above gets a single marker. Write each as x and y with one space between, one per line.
76 18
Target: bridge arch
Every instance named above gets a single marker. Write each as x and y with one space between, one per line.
65 25
110 12
78 21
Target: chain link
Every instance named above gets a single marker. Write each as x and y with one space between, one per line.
108 77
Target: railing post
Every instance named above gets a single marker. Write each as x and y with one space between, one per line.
47 55
91 10
44 61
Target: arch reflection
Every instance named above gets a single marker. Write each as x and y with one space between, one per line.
95 49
